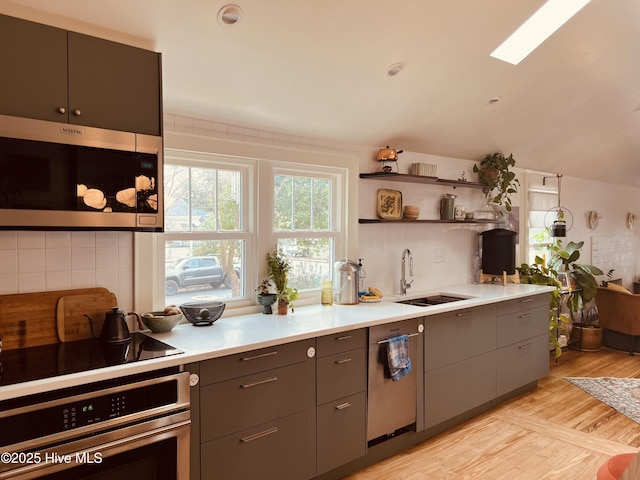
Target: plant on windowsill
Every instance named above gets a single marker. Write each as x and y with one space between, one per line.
265 297
495 171
278 268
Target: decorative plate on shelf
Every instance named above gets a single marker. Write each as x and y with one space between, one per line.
389 204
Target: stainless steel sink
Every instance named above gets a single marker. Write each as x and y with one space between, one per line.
431 300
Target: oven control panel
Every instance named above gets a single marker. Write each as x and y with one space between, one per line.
97 407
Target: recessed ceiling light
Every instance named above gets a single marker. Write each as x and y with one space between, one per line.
540 26
229 15
395 69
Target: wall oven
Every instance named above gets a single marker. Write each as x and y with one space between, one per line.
133 427
62 176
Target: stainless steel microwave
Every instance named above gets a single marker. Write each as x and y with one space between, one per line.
62 176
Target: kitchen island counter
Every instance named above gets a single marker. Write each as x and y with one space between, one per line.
236 334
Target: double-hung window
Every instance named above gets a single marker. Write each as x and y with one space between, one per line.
306 223
206 233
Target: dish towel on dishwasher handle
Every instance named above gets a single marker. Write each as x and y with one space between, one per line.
398 357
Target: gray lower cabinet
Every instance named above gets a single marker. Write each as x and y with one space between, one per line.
55 75
257 414
341 369
522 341
460 362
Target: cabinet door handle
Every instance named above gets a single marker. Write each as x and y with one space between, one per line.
62 110
526 315
463 314
262 355
77 113
522 347
530 299
342 406
256 436
345 337
259 382
344 360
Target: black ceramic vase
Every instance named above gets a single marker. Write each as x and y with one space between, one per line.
266 301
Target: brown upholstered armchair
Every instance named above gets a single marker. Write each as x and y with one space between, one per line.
619 316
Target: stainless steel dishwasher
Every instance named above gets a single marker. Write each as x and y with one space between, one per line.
391 406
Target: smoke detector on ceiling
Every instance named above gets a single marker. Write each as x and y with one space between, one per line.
229 15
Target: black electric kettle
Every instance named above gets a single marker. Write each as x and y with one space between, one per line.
114 329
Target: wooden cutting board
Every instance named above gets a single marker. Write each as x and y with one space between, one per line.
29 319
71 322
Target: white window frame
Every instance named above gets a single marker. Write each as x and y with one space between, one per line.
261 160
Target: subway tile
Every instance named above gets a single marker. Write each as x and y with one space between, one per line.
106 258
83 259
8 283
8 261
31 260
31 282
83 278
58 280
107 278
57 259
8 240
57 239
29 239
83 239
106 239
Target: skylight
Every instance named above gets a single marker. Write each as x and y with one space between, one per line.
540 26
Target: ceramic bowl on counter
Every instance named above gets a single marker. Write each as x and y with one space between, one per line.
411 212
159 322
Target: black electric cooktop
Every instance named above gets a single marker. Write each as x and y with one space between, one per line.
37 363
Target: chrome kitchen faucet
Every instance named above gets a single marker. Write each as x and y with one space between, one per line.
403 278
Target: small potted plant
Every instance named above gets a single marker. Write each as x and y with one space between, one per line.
559 226
278 268
495 171
265 297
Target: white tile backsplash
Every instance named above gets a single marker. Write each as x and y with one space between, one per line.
43 261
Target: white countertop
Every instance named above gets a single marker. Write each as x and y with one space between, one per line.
230 335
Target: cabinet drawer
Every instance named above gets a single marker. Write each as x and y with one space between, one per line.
454 336
518 326
341 374
273 450
342 432
457 388
341 342
254 361
522 363
524 303
237 404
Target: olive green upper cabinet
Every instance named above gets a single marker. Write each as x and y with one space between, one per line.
55 75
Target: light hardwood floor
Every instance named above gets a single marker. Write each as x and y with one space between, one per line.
555 432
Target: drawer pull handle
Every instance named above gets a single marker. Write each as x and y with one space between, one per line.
526 315
463 314
345 337
530 299
343 406
344 360
262 355
256 436
522 347
259 382
380 342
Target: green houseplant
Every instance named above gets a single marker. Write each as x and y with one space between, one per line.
546 273
495 171
278 268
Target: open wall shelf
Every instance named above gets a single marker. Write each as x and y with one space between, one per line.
402 177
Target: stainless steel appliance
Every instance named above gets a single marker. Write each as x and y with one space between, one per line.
347 281
133 427
57 175
391 406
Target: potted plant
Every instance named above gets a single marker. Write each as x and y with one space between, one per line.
585 288
495 171
278 268
540 274
559 226
265 297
